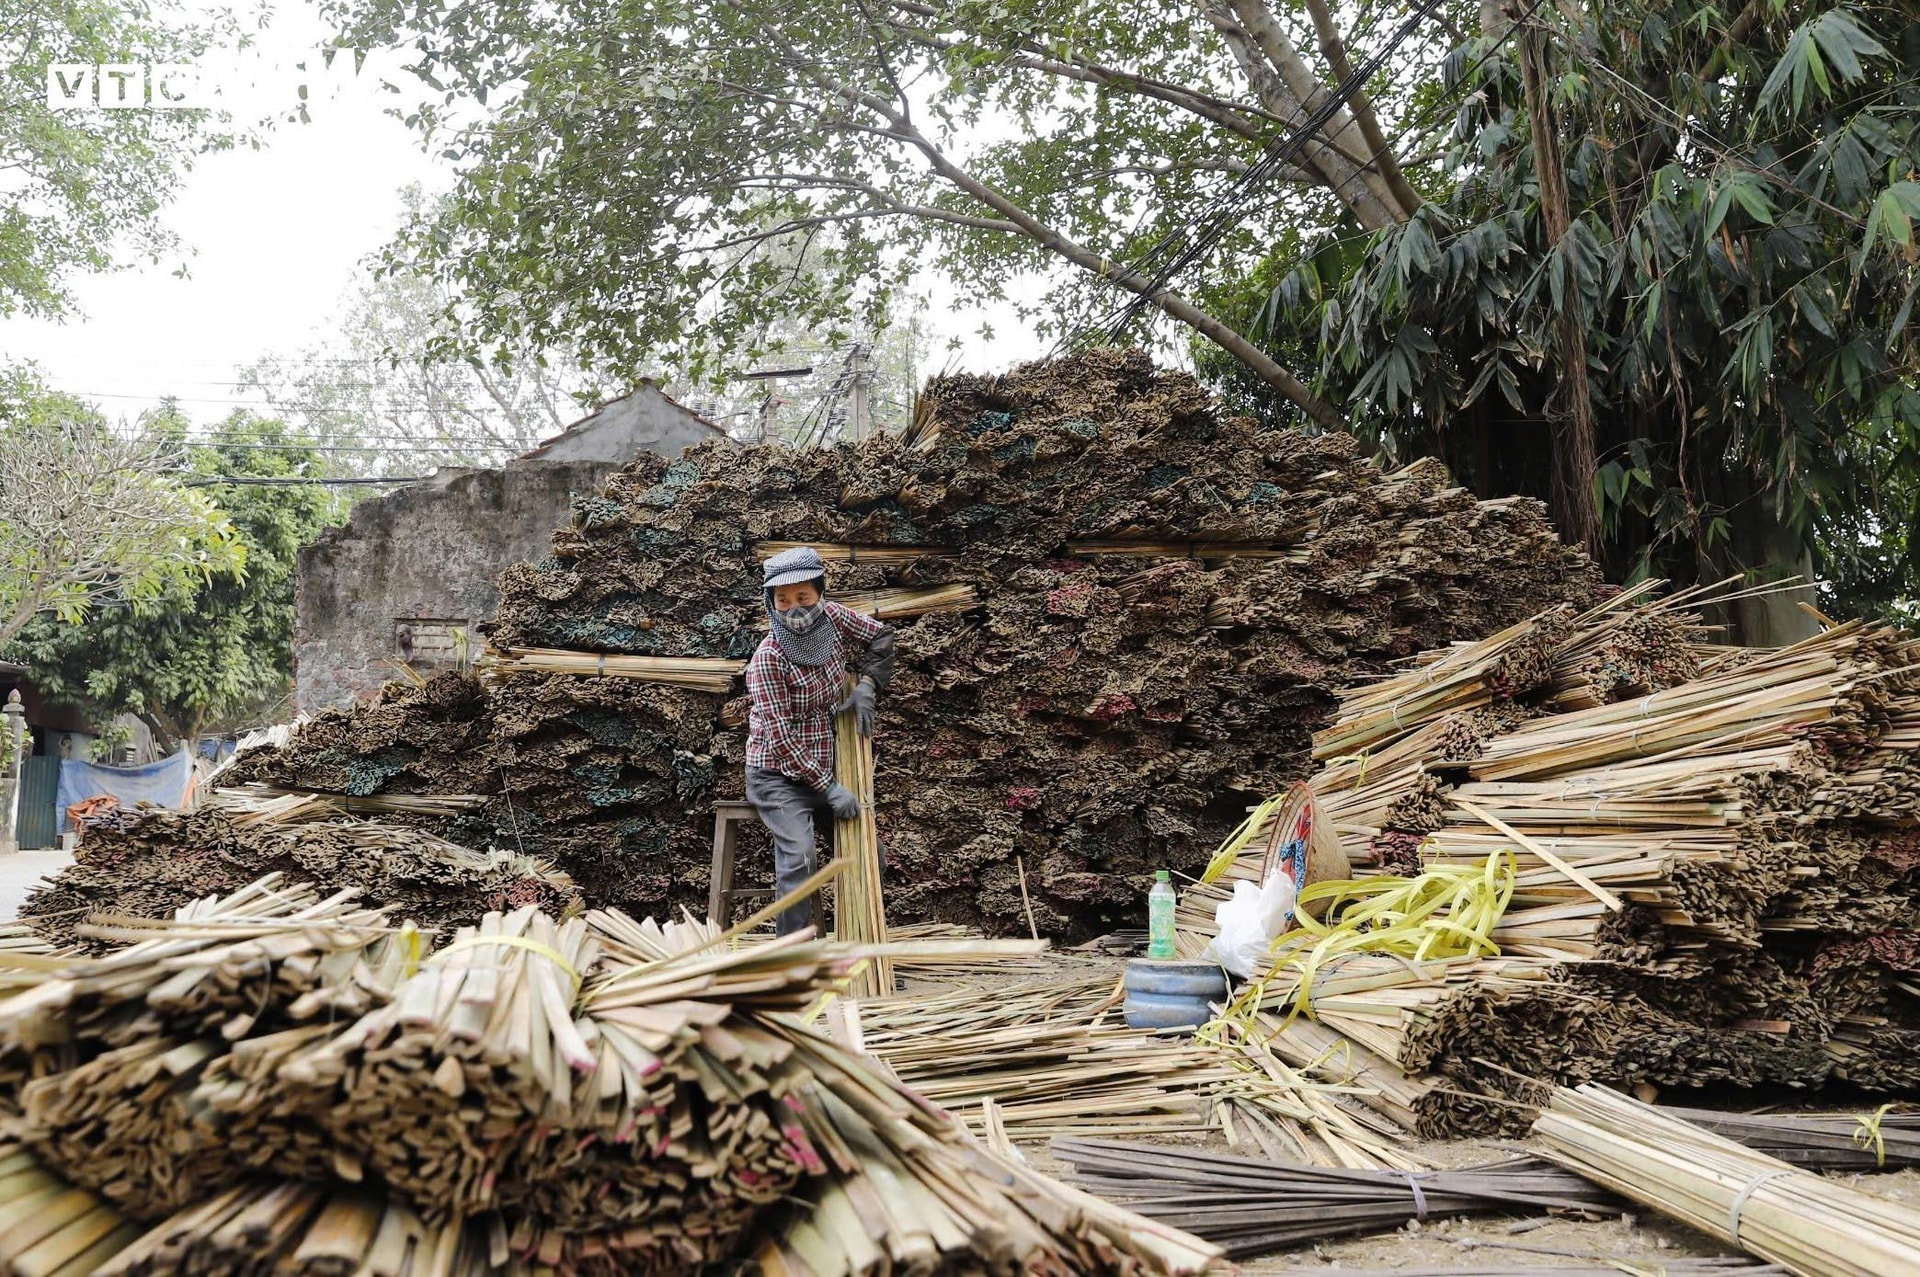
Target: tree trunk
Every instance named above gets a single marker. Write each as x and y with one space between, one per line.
1290 90
1576 454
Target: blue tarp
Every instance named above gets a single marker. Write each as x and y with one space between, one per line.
166 783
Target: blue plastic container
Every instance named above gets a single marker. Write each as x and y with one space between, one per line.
1172 995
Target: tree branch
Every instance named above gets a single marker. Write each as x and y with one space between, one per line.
1335 51
1257 40
1171 303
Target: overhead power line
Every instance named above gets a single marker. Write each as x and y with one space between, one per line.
1193 238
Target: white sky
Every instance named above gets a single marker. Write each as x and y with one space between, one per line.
274 240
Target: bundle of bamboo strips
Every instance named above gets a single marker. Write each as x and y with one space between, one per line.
1467 676
53 1229
627 1097
270 805
1253 1207
901 603
1052 1058
128 1055
1818 1141
699 673
859 911
476 1048
1730 1192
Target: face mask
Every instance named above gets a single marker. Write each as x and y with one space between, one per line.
801 619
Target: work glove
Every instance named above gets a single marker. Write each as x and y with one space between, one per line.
860 701
845 805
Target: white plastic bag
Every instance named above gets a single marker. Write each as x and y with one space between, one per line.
1251 921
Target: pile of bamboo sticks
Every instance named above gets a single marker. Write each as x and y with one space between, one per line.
1253 1207
1728 1191
1690 826
1050 1057
278 1082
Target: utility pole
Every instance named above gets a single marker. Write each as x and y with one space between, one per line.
861 422
13 742
773 399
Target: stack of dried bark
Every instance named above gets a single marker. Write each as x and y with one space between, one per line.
149 863
279 1083
1716 864
1168 601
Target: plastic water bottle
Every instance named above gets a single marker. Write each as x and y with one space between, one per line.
1160 903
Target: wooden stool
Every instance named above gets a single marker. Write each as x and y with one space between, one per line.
727 815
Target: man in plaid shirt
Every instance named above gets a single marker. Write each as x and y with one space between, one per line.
796 683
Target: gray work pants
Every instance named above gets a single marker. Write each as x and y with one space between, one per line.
787 807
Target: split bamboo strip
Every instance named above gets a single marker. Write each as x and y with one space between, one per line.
859 912
895 555
1212 550
884 555
697 673
1816 1227
270 805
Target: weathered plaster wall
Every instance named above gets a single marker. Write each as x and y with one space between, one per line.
432 551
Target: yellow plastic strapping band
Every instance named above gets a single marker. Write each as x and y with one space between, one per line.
1364 758
413 947
517 942
1869 1136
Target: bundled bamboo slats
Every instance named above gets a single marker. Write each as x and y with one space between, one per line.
1698 834
1818 1141
698 673
1052 1058
860 911
1744 1198
280 1083
1253 1207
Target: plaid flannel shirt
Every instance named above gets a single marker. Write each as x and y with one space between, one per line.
790 723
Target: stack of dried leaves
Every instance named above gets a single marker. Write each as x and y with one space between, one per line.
1169 601
147 863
